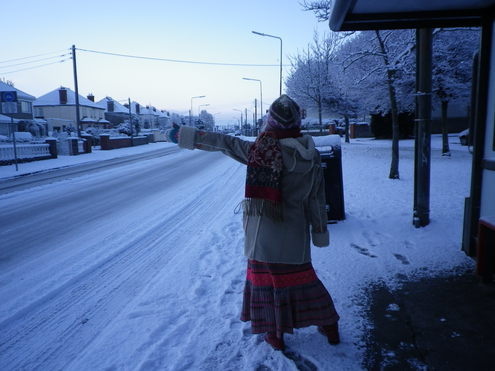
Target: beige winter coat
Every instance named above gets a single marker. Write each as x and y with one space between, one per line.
303 195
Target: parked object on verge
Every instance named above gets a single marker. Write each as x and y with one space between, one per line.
331 162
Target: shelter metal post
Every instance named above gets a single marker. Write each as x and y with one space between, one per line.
422 153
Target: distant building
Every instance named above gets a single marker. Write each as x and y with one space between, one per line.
115 113
23 118
24 103
58 109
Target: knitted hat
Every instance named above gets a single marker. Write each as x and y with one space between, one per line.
286 112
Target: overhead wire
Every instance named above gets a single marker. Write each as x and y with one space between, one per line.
34 61
180 60
33 56
34 67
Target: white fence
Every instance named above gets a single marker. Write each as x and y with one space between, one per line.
24 151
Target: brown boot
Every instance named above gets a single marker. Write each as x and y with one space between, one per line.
276 342
331 332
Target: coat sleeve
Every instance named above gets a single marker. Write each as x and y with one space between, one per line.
234 147
318 213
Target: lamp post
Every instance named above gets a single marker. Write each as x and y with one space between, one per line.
240 124
275 37
261 99
191 111
261 93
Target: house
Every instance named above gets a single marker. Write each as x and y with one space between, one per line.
24 103
149 117
423 15
24 115
58 108
163 119
115 112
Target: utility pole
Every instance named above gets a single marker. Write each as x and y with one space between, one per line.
76 90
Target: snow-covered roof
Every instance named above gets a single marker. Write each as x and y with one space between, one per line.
53 99
117 107
150 110
88 119
20 93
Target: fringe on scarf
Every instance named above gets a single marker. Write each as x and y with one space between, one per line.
261 207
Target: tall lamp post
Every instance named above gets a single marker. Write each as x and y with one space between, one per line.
191 111
261 98
261 93
275 37
240 124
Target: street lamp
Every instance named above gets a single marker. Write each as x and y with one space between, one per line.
261 95
191 111
275 37
240 124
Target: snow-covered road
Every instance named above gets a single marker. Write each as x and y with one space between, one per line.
140 267
76 254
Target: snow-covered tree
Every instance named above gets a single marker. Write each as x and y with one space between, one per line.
321 8
383 59
207 120
312 80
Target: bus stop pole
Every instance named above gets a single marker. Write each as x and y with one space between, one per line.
422 128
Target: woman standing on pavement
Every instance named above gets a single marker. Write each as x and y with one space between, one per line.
284 207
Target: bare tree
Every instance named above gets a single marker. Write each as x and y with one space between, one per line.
311 80
384 56
321 8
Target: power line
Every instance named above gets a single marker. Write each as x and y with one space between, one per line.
32 56
180 60
34 61
34 67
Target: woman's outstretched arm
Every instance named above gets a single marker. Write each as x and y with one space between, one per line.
191 138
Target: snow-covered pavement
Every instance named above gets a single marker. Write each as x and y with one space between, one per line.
140 267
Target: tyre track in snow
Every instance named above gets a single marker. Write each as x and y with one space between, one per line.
52 330
180 310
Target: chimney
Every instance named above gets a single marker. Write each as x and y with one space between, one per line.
91 97
110 106
62 95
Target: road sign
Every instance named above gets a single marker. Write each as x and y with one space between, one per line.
8 96
9 107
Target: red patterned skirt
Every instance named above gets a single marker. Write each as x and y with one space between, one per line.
281 297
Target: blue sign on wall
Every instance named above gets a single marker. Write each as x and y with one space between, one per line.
8 96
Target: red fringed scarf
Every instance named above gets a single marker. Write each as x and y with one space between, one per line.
264 172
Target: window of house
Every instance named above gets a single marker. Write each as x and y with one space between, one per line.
26 107
38 112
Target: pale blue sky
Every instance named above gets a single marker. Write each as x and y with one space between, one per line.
210 31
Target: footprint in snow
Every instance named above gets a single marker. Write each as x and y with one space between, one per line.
302 363
362 250
402 259
408 244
